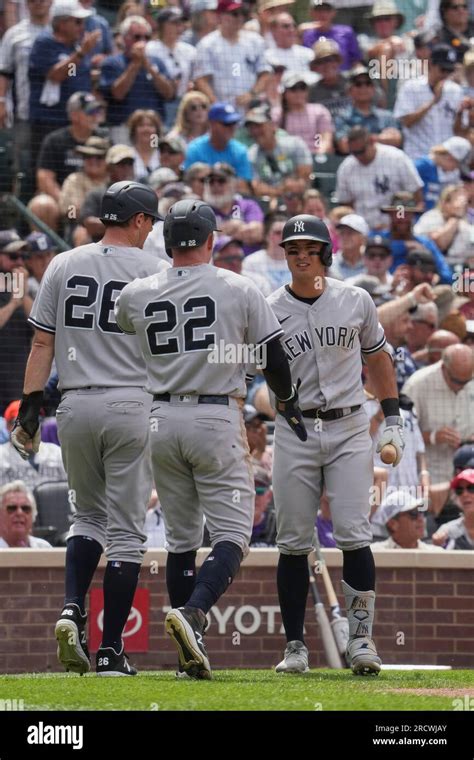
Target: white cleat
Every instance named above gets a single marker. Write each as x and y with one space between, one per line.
362 656
295 659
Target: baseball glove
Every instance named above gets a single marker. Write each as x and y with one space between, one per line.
26 426
290 410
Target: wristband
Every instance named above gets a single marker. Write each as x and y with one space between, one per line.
390 407
433 437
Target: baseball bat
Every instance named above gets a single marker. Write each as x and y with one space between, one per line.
339 623
388 454
327 638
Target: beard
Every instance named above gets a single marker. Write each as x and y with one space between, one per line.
217 201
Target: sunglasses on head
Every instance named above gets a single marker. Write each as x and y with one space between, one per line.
12 508
460 489
197 107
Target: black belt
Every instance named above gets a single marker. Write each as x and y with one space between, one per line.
224 400
332 414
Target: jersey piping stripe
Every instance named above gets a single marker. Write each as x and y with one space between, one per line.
40 325
375 348
275 334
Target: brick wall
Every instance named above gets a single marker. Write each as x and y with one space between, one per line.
424 611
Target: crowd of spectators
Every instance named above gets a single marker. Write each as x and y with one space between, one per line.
360 113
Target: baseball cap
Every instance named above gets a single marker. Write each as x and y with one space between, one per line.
197 6
267 5
11 412
290 78
161 177
176 190
444 56
318 3
118 153
378 241
83 101
10 241
69 8
223 112
354 222
227 6
250 413
420 256
258 115
94 146
39 242
222 241
325 48
466 475
176 144
221 169
463 457
359 70
458 147
396 503
169 14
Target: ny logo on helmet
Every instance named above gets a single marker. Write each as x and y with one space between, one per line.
299 226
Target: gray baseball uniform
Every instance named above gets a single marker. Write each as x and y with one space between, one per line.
103 415
200 455
324 342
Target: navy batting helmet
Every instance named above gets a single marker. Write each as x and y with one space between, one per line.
123 200
307 227
188 224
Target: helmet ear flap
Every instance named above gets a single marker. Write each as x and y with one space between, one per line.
326 255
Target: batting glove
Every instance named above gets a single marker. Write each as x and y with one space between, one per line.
393 434
290 410
26 436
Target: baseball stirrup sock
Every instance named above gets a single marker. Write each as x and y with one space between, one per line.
293 587
359 568
82 557
120 582
360 610
180 577
215 575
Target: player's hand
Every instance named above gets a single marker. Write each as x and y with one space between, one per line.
393 434
25 435
291 411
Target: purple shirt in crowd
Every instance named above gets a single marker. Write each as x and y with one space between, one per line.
345 38
248 211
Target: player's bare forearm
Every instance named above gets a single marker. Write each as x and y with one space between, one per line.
382 375
38 367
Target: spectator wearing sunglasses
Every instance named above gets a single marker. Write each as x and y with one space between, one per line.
242 218
172 153
443 395
458 27
378 259
403 515
46 465
178 56
353 231
228 254
15 307
363 112
286 51
17 515
459 533
310 121
424 321
133 79
447 225
191 118
264 523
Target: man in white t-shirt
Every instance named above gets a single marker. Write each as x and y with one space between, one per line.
286 52
426 106
270 262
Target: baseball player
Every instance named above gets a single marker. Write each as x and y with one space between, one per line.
329 328
102 418
200 455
